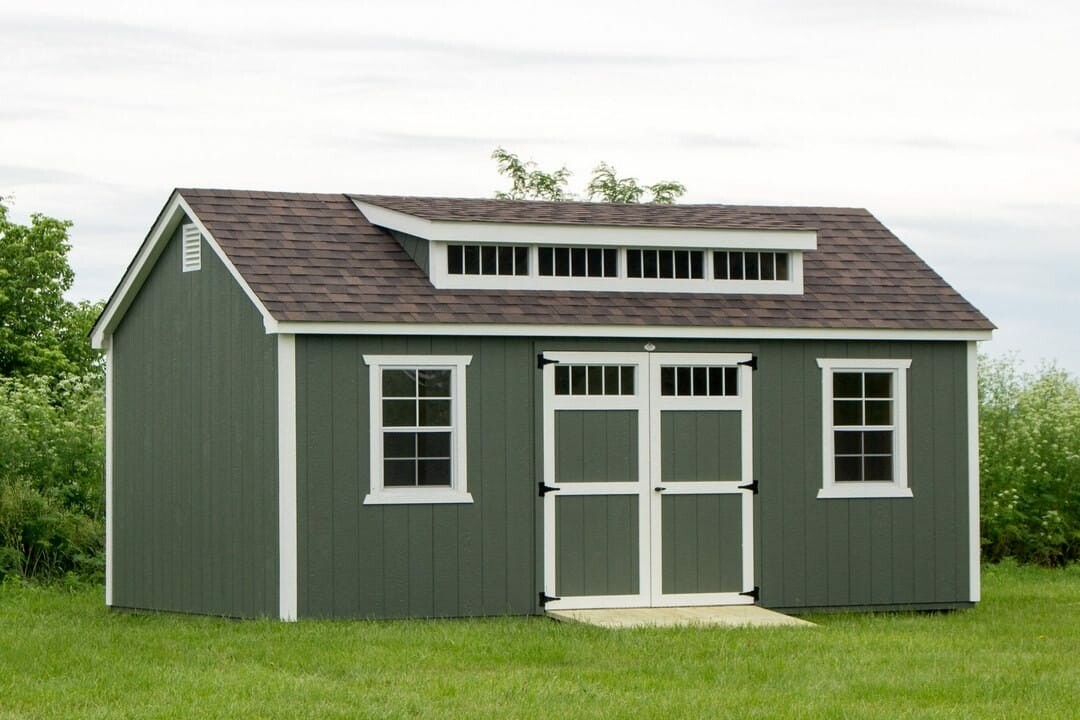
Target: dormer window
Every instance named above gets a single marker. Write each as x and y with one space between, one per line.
665 264
750 265
578 262
487 260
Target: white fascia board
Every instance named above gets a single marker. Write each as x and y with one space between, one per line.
621 331
147 255
465 231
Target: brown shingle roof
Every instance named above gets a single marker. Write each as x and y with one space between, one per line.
314 257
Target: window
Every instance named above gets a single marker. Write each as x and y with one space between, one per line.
487 259
417 413
750 265
191 259
864 411
594 379
578 262
665 264
698 381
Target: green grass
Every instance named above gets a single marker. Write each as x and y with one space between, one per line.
62 654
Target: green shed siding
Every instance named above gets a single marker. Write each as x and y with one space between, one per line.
195 446
360 560
485 557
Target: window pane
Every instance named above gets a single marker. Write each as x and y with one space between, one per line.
848 469
697 264
577 262
667 381
596 379
472 260
720 265
434 383
433 472
399 445
595 262
847 443
667 264
731 381
879 468
577 380
399 413
735 265
434 413
782 266
399 383
701 380
847 412
633 263
878 385
521 261
454 259
611 380
562 379
846 385
433 445
682 381
506 260
682 265
611 261
879 412
716 381
877 442
648 263
547 261
399 473
767 268
626 383
488 258
750 262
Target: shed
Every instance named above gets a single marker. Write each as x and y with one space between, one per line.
355 406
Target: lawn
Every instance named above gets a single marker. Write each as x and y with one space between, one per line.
62 654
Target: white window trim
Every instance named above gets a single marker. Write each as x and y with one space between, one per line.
457 492
439 273
898 487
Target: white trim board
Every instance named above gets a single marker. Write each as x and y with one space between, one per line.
974 537
506 233
109 435
620 331
288 571
145 259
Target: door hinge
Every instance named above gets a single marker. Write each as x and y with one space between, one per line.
545 598
753 594
752 487
543 489
751 363
541 361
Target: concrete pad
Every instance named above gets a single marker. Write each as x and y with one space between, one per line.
727 615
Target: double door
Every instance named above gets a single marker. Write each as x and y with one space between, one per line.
647 467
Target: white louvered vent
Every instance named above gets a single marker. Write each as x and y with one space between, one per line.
192 248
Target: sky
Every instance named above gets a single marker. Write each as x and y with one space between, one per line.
956 123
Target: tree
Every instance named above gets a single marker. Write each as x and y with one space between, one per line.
41 333
530 183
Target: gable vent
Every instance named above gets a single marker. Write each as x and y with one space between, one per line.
192 259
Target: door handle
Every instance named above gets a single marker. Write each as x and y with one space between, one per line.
659 488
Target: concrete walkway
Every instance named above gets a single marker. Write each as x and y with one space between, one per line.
729 615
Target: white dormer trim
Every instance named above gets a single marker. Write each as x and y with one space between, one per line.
471 232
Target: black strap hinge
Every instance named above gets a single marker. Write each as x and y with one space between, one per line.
541 361
752 487
543 489
751 363
753 594
545 598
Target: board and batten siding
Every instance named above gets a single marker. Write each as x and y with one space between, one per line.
485 558
440 560
195 446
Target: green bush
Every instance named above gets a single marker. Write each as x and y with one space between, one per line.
1029 445
51 494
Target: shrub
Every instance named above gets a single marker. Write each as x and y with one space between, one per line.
51 495
1029 446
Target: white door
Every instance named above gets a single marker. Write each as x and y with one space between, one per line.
647 463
